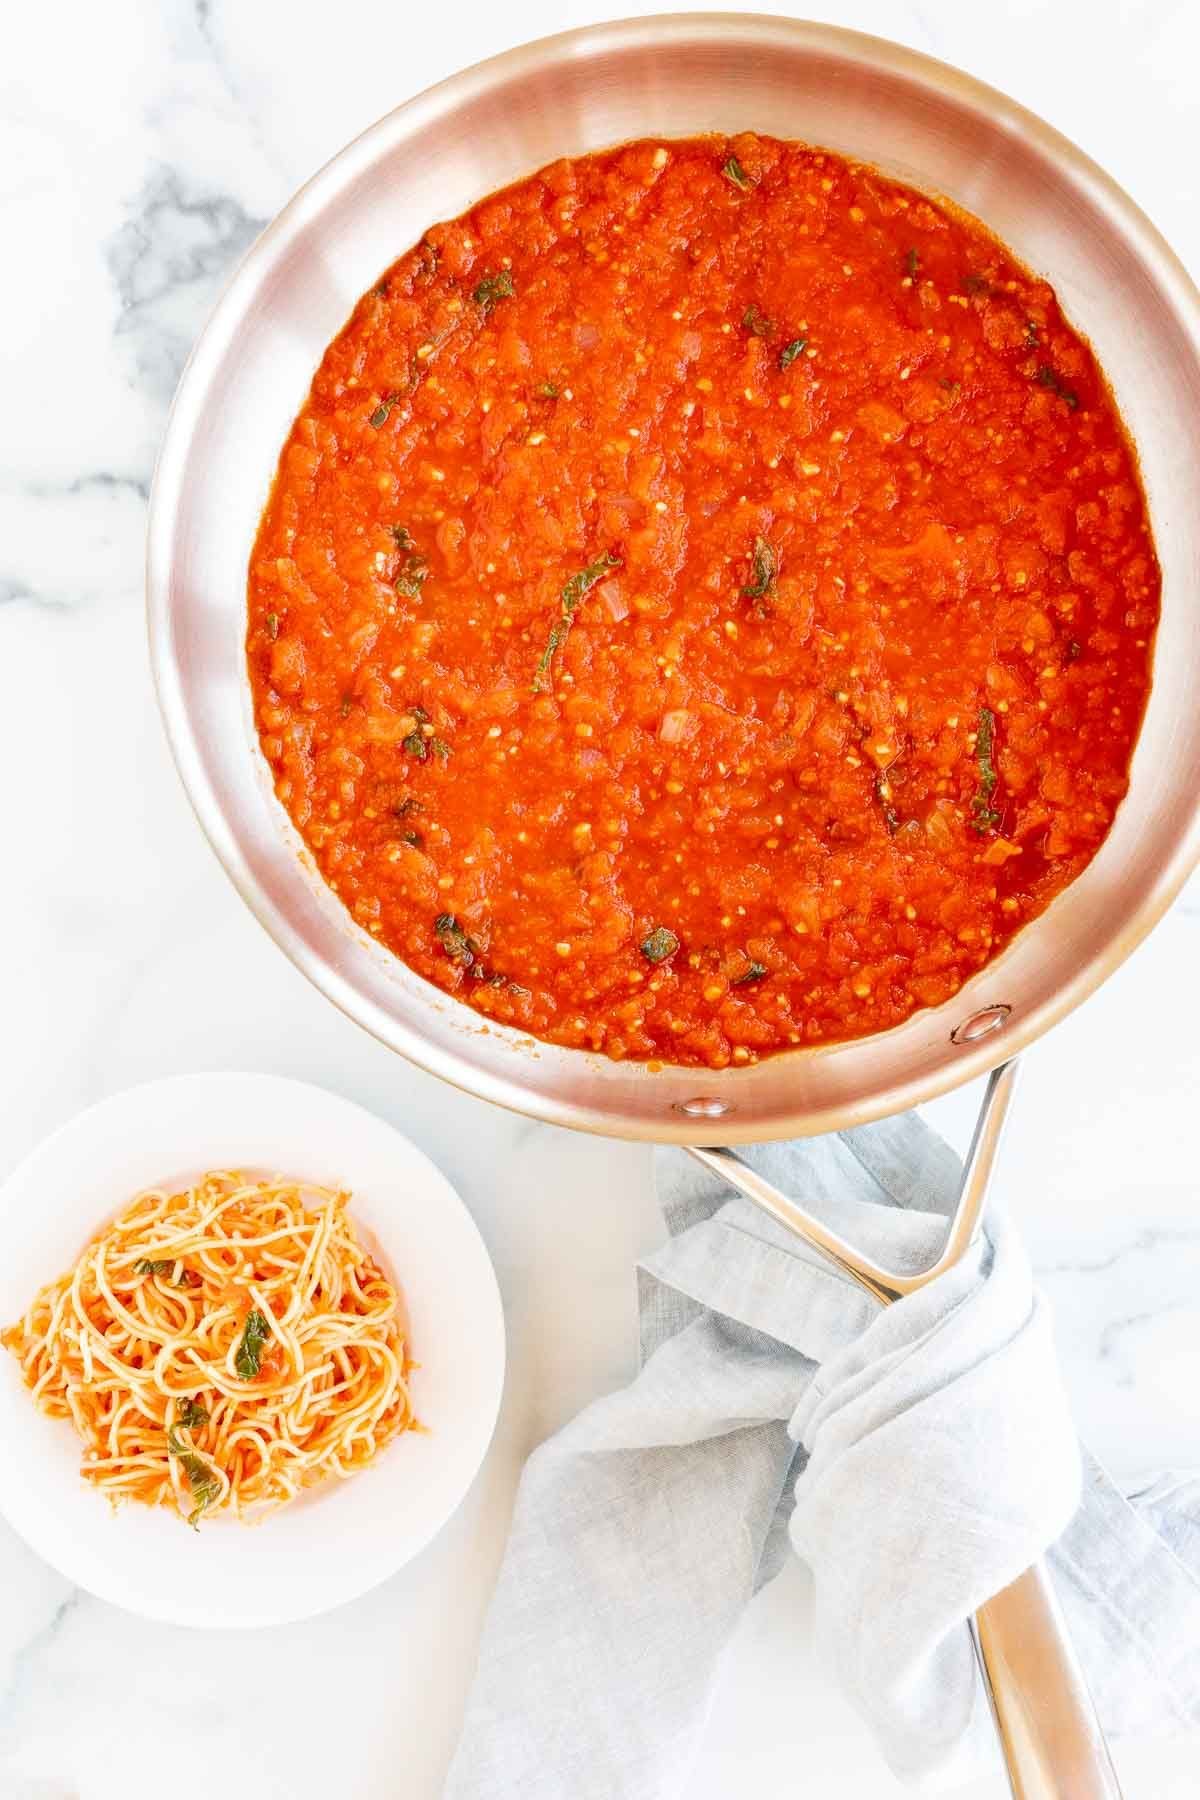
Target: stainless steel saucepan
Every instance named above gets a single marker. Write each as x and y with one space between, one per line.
675 76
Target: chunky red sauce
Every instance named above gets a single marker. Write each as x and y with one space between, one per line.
705 604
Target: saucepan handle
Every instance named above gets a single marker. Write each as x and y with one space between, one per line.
1052 1742
1051 1738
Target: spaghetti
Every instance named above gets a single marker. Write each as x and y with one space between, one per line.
221 1347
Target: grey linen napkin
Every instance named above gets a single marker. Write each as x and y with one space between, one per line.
919 1456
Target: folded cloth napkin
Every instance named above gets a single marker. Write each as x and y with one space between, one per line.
920 1456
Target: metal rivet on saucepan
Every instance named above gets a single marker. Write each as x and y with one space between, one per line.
705 1106
987 1019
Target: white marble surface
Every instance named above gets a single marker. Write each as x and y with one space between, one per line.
142 144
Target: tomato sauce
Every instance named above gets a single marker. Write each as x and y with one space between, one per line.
705 604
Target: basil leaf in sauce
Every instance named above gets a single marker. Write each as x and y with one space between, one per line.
542 683
412 570
790 352
454 940
492 289
190 1413
586 579
912 263
573 592
1048 377
416 744
986 817
733 172
757 323
754 971
414 573
660 944
248 1359
382 412
464 951
765 564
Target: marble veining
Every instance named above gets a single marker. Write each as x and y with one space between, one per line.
168 264
145 144
25 1666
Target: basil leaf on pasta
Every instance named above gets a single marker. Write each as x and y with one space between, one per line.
248 1360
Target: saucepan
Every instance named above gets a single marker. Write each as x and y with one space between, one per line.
675 76
918 120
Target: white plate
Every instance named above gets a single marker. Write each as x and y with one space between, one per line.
339 1539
